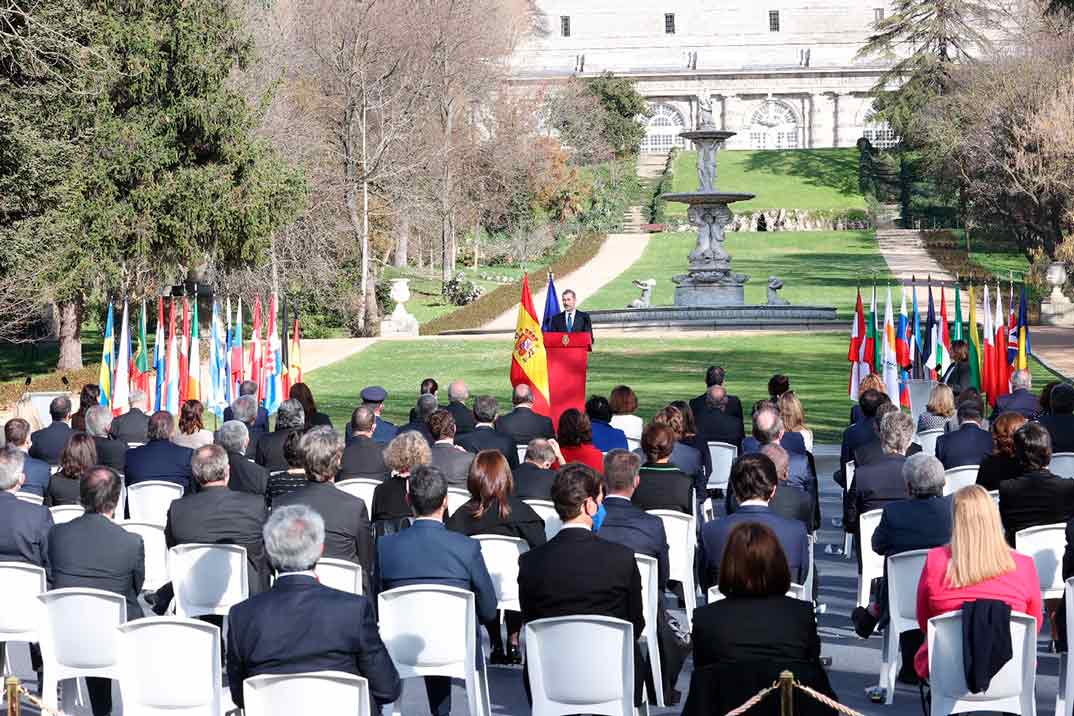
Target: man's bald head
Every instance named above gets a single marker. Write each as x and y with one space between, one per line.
522 395
459 391
767 426
716 397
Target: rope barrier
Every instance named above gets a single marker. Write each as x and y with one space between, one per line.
776 685
753 701
13 689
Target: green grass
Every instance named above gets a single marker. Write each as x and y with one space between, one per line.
426 303
781 179
819 268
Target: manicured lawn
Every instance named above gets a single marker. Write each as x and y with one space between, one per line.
787 179
819 268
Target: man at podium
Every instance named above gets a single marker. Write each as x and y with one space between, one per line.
571 320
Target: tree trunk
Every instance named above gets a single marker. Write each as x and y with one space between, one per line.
421 253
477 243
402 239
447 228
70 313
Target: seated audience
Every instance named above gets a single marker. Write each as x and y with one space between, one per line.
605 436
419 417
87 398
373 397
1036 497
284 482
452 460
244 475
969 444
871 452
24 527
258 423
192 433
788 501
110 452
743 641
245 410
79 455
160 458
313 417
522 424
363 456
1002 464
777 386
486 437
690 435
793 443
753 478
391 511
768 430
958 375
715 375
427 553
300 625
873 381
976 565
1020 399
493 510
684 456
715 423
458 394
624 402
880 482
792 414
662 486
47 443
37 472
290 418
1060 422
861 432
131 426
940 409
575 439
533 478
1045 399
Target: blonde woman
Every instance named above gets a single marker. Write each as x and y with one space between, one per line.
940 411
873 381
977 564
793 416
404 453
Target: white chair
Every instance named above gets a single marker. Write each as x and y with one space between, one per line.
121 505
1045 544
30 497
21 612
927 440
904 572
134 445
633 444
848 539
313 692
339 574
547 512
797 591
1064 706
920 390
521 450
170 665
994 494
650 607
456 498
208 578
958 477
682 541
362 488
872 564
65 513
722 456
572 665
807 585
501 558
1011 689
1062 464
431 630
149 501
79 637
156 553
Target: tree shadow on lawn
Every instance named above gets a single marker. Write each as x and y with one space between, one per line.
836 170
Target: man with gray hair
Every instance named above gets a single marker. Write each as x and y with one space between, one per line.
533 478
768 429
363 456
301 625
131 426
289 418
423 410
110 451
245 410
970 443
458 394
715 423
522 423
487 437
880 482
245 475
257 423
1021 399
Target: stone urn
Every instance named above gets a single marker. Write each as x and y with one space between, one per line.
1056 276
400 291
400 323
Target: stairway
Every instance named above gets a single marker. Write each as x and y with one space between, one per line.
905 254
650 168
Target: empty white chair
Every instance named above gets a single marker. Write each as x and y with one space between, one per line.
66 513
958 477
1045 544
920 390
547 512
722 455
30 497
1062 464
501 558
313 692
797 591
581 664
682 541
848 539
431 630
156 553
339 574
927 440
650 607
362 488
79 637
170 665
521 450
872 564
456 498
149 501
208 578
904 572
21 612
1011 689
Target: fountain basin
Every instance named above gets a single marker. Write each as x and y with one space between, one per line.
719 135
694 198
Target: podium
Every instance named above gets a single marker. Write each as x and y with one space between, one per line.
568 363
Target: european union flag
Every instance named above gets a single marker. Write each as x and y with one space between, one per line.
551 304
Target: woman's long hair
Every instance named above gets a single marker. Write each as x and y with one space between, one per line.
490 481
978 550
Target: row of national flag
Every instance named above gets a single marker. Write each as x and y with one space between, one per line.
916 347
176 360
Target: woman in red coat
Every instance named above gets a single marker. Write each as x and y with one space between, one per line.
575 437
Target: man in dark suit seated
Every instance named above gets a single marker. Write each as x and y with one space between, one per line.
522 424
93 551
345 516
419 421
244 475
485 436
458 394
768 430
578 573
715 375
47 444
969 444
37 472
859 433
363 456
871 452
111 451
245 410
373 397
790 502
1036 497
289 418
754 480
160 458
605 437
132 426
1021 399
1060 423
570 319
428 553
533 478
716 423
451 459
880 482
300 625
261 418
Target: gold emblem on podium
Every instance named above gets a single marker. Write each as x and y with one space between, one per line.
566 340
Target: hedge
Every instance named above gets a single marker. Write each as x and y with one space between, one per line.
11 391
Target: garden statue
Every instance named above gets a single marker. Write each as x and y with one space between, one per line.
645 300
774 285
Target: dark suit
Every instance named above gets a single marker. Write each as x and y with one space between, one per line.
854 437
791 534
532 482
363 457
966 446
627 524
1018 401
484 437
260 421
454 462
719 426
790 502
995 469
38 473
913 523
417 427
347 534
871 452
159 460
958 376
1061 428
792 442
246 476
874 485
132 426
48 443
269 452
383 431
464 417
111 452
217 515
664 487
1034 498
299 626
24 531
582 323
523 425
699 406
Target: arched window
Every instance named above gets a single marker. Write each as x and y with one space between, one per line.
878 131
662 131
774 126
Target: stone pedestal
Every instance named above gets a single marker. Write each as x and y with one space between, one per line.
400 323
1057 314
689 292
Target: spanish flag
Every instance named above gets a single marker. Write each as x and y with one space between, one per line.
529 362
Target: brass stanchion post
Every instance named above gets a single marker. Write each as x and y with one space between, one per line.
786 693
11 685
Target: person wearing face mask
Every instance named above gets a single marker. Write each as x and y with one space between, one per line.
577 572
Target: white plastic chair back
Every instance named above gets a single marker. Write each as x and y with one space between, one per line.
208 578
121 505
431 630
927 440
872 564
807 584
904 572
1045 544
994 494
571 663
170 666
501 558
633 444
79 637
65 513
149 501
362 488
456 498
958 477
30 497
1064 705
649 569
339 574
1062 464
1011 689
156 553
521 450
313 692
21 612
682 541
920 390
797 591
722 456
847 537
547 512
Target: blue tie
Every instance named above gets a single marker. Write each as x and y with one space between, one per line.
570 322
